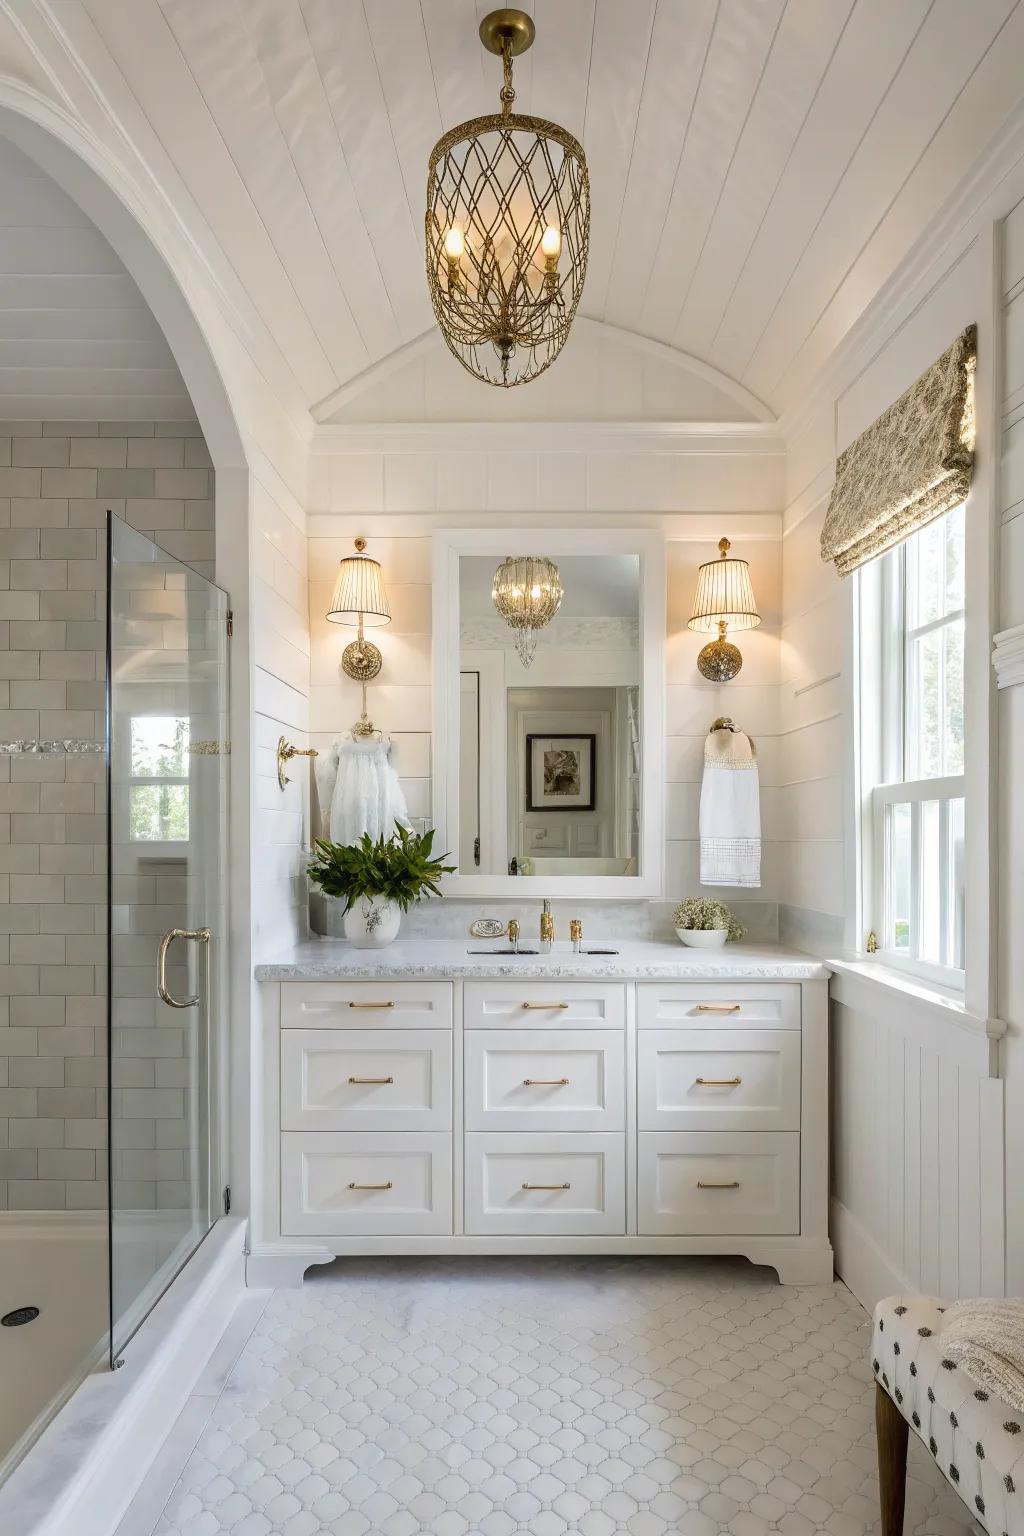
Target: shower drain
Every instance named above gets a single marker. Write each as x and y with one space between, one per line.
19 1316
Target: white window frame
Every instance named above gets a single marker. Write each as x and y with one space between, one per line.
125 781
879 603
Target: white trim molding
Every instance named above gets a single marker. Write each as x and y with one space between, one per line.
1008 656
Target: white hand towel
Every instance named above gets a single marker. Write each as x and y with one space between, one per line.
730 811
360 790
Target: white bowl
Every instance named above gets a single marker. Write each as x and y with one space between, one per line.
703 938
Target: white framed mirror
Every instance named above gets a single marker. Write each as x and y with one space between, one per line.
548 769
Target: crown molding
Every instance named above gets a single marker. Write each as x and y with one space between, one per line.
1008 657
693 438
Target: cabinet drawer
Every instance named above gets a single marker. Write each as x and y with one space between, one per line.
728 1183
540 1004
552 1184
358 1004
701 1005
366 1079
718 1079
527 1080
335 1184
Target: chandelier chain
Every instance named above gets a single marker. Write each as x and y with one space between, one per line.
508 94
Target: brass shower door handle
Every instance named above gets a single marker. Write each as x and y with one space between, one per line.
199 936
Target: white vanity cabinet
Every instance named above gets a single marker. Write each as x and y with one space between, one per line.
617 1113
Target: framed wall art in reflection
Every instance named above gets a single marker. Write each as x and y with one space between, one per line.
560 773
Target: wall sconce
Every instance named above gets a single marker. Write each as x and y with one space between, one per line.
359 598
724 597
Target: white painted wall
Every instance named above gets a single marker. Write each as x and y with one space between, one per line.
695 488
925 1194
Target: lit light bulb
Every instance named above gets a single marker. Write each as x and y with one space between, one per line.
454 244
551 242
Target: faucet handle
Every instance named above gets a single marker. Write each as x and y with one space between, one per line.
513 931
575 930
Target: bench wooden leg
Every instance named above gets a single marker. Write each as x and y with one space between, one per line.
891 1430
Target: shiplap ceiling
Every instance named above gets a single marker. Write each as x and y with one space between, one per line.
759 167
77 339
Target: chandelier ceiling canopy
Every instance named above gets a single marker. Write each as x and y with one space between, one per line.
508 229
527 592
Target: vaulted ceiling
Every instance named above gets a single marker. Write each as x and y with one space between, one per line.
759 167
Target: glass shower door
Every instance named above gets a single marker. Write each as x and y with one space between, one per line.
167 713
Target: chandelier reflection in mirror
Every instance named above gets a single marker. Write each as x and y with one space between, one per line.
527 592
508 228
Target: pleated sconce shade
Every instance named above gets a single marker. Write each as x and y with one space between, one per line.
359 593
724 593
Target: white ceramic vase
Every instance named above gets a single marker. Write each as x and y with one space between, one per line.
703 938
372 922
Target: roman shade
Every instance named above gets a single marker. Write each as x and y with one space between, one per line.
911 465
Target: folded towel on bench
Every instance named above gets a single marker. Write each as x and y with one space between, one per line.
986 1337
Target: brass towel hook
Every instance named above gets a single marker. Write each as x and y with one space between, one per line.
285 753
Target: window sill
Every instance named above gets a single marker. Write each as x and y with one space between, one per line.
896 985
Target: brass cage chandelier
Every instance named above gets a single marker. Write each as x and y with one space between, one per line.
527 591
508 229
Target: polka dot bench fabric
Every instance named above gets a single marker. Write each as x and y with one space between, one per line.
976 1440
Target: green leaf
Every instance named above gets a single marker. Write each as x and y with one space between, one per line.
398 868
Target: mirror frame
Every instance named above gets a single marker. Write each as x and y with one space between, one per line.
449 545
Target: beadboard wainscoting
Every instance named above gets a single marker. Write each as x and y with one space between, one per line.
917 1145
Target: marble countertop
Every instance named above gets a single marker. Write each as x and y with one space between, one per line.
323 959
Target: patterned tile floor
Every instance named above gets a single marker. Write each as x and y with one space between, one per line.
596 1396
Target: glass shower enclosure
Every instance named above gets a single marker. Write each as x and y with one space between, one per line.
167 784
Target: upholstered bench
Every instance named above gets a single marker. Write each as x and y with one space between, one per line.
977 1442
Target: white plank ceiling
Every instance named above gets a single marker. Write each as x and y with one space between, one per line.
77 339
759 167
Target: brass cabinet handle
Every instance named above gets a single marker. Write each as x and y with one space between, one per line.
713 1082
371 1005
732 1184
546 1005
388 1185
200 936
545 1082
719 1007
547 1186
371 1079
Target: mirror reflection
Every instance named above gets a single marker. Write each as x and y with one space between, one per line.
549 735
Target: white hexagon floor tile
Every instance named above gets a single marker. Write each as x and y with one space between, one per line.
478 1397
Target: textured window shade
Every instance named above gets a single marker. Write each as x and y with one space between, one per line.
912 465
359 590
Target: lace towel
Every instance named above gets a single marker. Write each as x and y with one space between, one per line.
730 811
359 790
987 1339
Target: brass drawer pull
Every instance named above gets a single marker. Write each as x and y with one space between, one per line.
388 1185
711 1082
732 1184
371 1080
547 1186
719 1007
545 1082
546 1006
371 1005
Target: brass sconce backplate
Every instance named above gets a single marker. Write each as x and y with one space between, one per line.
719 661
361 660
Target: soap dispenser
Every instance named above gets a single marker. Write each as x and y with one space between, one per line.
547 928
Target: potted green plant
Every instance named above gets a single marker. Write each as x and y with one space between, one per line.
702 922
377 880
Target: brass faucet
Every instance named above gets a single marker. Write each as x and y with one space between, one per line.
547 928
513 933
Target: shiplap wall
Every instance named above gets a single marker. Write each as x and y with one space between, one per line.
917 1103
396 499
1011 728
77 339
281 685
